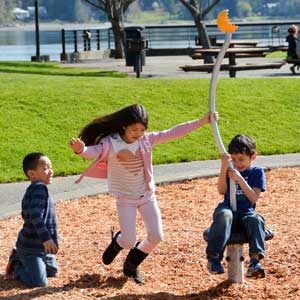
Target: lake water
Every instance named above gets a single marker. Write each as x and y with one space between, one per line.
21 45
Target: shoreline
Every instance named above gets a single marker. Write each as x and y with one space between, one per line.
56 26
53 26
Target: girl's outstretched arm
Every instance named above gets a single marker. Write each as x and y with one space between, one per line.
180 130
89 152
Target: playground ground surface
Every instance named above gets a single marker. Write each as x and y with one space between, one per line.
177 268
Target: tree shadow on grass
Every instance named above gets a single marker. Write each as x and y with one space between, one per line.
101 73
54 69
84 282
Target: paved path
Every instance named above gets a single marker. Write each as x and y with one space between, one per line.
64 188
168 67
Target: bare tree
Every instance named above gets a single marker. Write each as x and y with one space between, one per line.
6 7
199 12
115 10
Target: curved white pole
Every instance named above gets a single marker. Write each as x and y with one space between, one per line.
212 109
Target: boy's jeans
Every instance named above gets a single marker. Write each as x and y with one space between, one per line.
252 224
36 268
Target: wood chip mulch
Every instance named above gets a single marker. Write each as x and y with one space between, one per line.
177 267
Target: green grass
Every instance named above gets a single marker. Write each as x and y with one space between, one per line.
277 54
41 111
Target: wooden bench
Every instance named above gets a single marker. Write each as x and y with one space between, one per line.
196 55
233 68
238 43
203 68
254 66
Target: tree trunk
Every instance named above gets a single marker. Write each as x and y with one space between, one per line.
114 10
118 32
196 8
204 38
202 32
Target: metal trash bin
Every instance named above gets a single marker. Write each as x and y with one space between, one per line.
135 44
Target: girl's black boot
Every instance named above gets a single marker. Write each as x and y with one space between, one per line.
134 258
112 250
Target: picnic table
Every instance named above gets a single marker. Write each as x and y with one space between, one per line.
239 43
232 54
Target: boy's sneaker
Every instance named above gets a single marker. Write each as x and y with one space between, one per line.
214 266
255 269
13 261
292 68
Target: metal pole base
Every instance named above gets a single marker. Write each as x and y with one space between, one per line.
41 58
235 261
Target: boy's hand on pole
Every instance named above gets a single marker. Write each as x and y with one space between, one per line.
225 159
234 174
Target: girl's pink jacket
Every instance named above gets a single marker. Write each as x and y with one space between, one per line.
98 169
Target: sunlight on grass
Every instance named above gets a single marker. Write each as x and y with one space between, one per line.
41 113
277 54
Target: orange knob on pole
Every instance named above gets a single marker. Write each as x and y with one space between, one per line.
224 23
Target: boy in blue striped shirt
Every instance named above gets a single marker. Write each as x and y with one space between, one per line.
33 259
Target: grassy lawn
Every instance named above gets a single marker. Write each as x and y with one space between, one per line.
42 106
277 54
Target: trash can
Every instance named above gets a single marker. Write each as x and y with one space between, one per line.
135 44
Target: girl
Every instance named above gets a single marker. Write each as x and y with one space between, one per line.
123 150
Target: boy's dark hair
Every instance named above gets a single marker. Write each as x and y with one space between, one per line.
242 144
31 161
115 122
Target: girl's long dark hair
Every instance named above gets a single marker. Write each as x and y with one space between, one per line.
103 126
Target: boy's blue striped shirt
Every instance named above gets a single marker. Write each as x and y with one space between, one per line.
40 224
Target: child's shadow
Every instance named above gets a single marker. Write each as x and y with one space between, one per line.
215 292
84 282
95 281
8 284
114 282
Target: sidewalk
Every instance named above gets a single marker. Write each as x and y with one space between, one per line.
64 188
169 67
